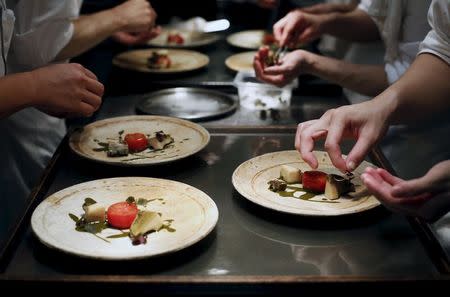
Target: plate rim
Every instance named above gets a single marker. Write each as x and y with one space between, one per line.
230 109
202 130
227 60
229 38
264 204
213 38
215 214
124 65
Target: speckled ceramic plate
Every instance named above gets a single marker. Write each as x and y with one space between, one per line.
250 39
191 39
251 177
241 62
182 61
189 138
194 216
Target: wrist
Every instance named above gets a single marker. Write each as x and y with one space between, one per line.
327 21
32 91
387 103
310 62
118 20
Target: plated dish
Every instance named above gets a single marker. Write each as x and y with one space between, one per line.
174 38
241 62
250 39
180 215
161 60
139 140
283 182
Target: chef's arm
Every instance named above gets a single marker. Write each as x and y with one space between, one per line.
13 96
90 30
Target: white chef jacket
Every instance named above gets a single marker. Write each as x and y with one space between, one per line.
30 137
437 41
403 25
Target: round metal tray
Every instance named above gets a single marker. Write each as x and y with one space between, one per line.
193 104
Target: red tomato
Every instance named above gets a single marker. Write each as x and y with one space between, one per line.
164 61
137 142
175 38
263 53
314 181
269 39
122 214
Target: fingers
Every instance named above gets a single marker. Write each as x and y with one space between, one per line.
309 133
89 73
358 152
278 29
288 34
275 70
393 180
332 146
85 110
95 87
91 99
411 188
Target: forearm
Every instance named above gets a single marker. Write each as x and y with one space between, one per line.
369 80
13 95
90 30
421 93
353 26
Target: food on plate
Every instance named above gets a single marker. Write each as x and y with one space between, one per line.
134 143
94 213
117 149
337 185
145 222
314 181
159 60
276 185
137 142
290 174
175 37
160 141
132 218
122 214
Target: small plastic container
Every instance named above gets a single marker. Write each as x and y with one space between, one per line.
256 95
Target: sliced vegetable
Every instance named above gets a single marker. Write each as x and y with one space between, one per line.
290 174
314 181
145 222
137 142
94 213
336 186
277 185
122 214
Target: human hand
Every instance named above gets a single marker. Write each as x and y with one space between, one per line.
323 8
298 26
290 66
66 90
267 4
427 197
366 122
130 38
136 15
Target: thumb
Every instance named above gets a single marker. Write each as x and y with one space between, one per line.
412 187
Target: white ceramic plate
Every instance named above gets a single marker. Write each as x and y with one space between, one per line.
241 62
251 39
189 138
182 61
194 216
191 39
251 177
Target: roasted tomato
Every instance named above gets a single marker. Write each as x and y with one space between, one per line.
269 39
164 62
175 38
263 53
314 181
137 142
122 214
